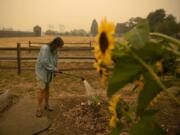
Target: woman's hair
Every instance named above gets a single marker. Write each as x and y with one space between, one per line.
57 41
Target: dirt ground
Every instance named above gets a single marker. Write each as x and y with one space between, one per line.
78 118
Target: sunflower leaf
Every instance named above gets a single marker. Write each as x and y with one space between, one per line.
124 71
139 35
150 51
150 112
151 89
116 130
118 52
147 126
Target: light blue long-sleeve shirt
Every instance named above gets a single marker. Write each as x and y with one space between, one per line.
46 64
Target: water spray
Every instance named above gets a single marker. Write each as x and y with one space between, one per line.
89 89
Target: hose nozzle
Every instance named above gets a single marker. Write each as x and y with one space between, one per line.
82 78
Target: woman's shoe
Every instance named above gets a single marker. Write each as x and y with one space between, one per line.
39 113
48 108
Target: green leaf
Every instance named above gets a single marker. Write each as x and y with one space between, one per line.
178 93
127 117
122 109
116 131
150 51
151 89
139 35
147 126
150 112
118 52
124 71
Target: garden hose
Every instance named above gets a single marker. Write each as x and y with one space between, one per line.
46 128
73 75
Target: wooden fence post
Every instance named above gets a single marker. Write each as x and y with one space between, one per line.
90 44
29 46
19 58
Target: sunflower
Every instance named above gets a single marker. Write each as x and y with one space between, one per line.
159 65
112 107
103 48
103 71
104 42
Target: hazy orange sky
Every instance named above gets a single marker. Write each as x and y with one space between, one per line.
75 14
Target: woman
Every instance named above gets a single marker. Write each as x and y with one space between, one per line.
46 66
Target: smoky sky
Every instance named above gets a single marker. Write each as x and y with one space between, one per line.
76 14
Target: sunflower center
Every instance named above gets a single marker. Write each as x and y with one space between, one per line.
103 42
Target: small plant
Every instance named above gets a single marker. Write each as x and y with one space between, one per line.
143 58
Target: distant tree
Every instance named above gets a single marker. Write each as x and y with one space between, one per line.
178 34
133 22
94 27
66 33
6 29
159 21
121 28
155 18
168 26
118 29
51 32
78 32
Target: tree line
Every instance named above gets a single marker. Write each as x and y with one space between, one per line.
159 21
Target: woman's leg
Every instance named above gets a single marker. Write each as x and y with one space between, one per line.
40 98
47 107
41 86
47 96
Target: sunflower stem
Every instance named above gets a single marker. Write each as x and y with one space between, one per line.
167 38
174 51
154 75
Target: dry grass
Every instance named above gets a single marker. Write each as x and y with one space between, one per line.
61 84
11 42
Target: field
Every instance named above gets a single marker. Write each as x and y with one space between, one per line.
74 116
11 42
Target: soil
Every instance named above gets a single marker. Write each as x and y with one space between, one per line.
78 118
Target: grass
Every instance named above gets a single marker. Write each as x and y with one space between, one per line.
11 42
63 83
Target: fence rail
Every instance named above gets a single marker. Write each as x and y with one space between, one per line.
73 43
18 58
37 48
61 57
